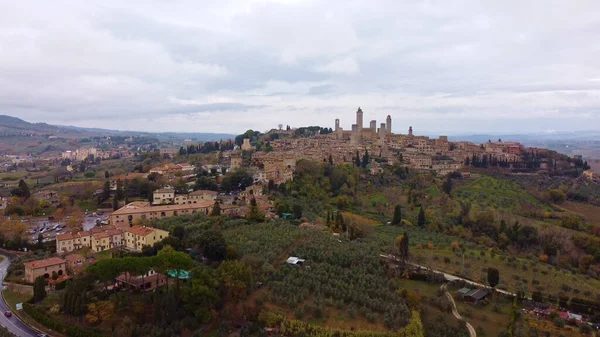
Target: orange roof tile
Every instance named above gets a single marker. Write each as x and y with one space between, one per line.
140 231
43 263
63 237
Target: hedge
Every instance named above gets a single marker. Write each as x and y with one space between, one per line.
51 323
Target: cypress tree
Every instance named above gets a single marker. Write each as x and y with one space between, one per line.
216 210
397 215
115 203
421 219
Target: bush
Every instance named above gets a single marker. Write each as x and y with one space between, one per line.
52 323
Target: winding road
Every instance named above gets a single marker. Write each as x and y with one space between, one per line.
14 323
472 331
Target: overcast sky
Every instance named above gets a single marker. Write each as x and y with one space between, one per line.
228 66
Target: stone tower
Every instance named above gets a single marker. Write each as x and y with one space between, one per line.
337 124
382 133
359 119
354 135
373 126
388 124
410 131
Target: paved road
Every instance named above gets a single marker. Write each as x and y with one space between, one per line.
472 331
13 324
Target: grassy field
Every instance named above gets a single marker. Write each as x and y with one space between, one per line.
491 193
590 212
12 298
531 275
8 176
485 317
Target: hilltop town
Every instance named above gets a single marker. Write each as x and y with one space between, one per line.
421 224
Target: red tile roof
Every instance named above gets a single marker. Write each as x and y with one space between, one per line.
44 263
140 231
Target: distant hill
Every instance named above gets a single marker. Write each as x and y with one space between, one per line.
13 126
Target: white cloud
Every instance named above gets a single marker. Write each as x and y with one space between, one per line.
347 65
232 65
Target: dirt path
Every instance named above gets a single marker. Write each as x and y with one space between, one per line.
472 331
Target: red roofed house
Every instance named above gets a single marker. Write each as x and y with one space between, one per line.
45 267
150 281
137 237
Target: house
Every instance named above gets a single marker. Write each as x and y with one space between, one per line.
476 296
101 242
195 197
127 215
69 242
44 268
149 281
163 196
138 237
74 262
292 260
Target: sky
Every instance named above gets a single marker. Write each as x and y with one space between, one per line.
449 67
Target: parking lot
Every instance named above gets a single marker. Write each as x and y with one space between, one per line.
50 228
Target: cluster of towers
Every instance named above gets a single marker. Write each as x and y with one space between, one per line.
358 132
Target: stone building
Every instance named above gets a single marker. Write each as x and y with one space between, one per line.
44 268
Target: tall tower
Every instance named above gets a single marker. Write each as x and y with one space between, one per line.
374 126
337 124
388 125
410 131
359 119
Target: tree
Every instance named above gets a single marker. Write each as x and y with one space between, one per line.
493 276
216 210
297 210
365 160
100 311
357 160
447 186
254 214
106 174
39 289
237 279
213 244
106 191
421 218
401 243
397 215
115 203
202 295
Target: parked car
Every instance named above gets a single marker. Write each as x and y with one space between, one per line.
8 314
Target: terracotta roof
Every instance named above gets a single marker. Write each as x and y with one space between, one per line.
99 236
115 232
165 190
140 231
67 236
201 192
125 210
44 263
74 257
86 233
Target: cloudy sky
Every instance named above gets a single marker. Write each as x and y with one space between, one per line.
227 66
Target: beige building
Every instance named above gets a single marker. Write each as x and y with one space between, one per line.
127 215
44 268
163 196
138 237
70 242
195 197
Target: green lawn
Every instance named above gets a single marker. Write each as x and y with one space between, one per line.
12 298
107 254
